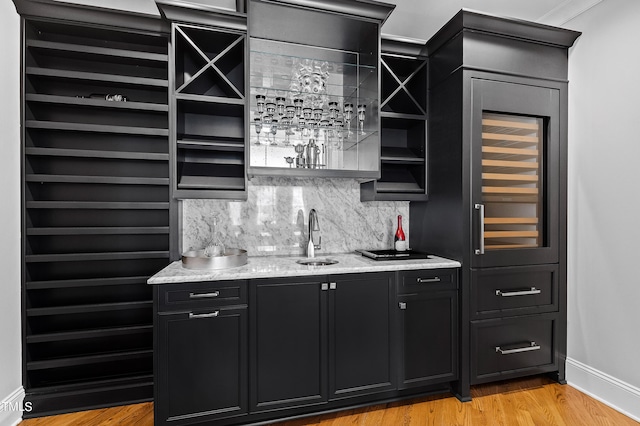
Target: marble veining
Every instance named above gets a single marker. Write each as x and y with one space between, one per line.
273 220
286 266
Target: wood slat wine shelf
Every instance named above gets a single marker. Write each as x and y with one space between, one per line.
511 191
97 211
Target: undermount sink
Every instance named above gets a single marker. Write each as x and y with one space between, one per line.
316 262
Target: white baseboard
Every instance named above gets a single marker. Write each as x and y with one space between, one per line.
609 390
9 415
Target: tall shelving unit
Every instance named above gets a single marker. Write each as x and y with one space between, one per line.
96 211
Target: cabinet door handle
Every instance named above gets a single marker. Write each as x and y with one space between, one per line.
333 286
402 305
532 347
209 315
518 293
324 286
480 207
203 295
428 280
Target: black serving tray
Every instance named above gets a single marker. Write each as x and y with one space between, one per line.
393 254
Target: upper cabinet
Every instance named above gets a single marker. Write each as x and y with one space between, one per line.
403 123
207 101
314 88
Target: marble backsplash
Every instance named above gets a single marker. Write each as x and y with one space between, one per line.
274 219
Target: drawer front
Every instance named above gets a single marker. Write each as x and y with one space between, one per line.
427 280
173 297
507 348
500 292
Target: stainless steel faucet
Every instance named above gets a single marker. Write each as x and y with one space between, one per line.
314 229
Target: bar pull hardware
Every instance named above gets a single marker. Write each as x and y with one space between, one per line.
532 347
203 295
480 207
518 293
210 315
428 280
324 286
333 286
402 305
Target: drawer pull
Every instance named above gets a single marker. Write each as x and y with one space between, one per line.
428 280
210 315
203 295
402 305
518 293
532 347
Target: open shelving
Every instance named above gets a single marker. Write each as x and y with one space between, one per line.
96 211
208 93
403 121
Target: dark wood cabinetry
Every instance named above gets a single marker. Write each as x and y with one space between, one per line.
403 124
320 339
497 189
311 344
209 63
202 354
428 327
96 206
361 356
288 343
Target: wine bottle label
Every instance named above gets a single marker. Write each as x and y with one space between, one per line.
401 245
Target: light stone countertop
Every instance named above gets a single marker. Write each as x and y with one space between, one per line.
286 266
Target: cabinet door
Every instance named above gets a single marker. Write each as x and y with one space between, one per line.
428 328
201 365
288 343
515 149
360 350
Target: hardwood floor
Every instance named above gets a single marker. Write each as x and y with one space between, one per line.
534 401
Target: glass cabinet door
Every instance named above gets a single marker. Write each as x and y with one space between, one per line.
515 173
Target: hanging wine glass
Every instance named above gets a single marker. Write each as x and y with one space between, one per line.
362 112
280 105
333 111
306 112
302 127
348 114
260 100
339 126
297 105
258 125
324 125
286 125
271 108
274 130
290 111
317 114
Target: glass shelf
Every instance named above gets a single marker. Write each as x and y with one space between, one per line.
314 79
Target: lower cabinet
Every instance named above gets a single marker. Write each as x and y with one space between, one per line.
428 327
320 339
288 360
201 336
229 352
201 365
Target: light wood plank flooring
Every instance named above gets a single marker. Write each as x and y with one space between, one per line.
534 401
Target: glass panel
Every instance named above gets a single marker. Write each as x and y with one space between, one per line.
312 108
512 181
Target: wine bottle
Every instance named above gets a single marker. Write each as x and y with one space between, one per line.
400 242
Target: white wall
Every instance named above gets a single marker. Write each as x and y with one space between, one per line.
10 343
604 205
